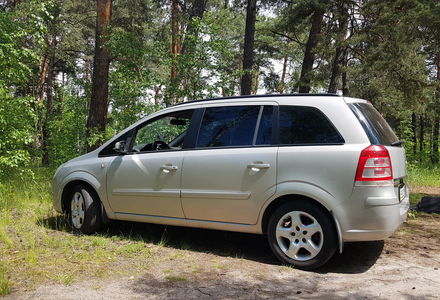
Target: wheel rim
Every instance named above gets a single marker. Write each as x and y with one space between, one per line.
77 210
299 235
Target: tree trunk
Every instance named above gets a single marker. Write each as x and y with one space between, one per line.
345 82
256 82
45 132
49 107
176 49
436 124
248 49
176 34
339 52
414 132
42 80
422 134
282 85
309 53
97 118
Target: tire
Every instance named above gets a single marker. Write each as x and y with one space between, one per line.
302 234
85 210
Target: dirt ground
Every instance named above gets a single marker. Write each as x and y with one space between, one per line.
405 266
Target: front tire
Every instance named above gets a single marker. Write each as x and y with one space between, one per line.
302 234
85 210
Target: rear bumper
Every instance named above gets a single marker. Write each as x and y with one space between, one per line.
373 213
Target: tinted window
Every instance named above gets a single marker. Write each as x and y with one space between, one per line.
228 126
306 125
377 129
264 136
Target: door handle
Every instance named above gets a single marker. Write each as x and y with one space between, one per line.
168 168
257 166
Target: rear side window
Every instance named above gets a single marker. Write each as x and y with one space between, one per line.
306 125
228 126
375 126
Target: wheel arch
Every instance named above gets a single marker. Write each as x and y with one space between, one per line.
275 203
87 180
67 191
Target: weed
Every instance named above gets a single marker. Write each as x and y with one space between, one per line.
4 282
66 279
176 278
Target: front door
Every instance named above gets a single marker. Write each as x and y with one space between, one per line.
147 180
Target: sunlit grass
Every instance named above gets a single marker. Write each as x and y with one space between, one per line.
38 247
420 176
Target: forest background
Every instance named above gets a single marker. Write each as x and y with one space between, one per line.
73 73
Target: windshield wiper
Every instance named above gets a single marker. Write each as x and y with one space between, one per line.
397 143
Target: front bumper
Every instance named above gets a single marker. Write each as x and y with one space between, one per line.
57 192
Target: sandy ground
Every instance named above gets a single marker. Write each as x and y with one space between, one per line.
405 266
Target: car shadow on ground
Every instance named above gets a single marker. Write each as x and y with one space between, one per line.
356 258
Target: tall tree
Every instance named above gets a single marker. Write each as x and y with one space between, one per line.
436 125
196 11
248 48
97 117
342 16
309 52
176 40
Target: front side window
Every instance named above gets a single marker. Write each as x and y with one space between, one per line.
306 125
228 126
164 133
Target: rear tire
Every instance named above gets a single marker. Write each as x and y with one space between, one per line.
302 234
85 210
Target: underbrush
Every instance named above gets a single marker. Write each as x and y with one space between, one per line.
424 176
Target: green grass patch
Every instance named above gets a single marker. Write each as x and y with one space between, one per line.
4 282
37 246
429 176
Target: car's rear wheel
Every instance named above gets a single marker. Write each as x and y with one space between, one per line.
302 234
85 209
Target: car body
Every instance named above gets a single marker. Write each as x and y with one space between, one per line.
259 164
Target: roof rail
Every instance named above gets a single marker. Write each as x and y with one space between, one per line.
260 96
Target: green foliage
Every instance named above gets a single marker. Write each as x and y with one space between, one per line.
16 127
391 50
68 138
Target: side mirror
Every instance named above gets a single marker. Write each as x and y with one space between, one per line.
120 147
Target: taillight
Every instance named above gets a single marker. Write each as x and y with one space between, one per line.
374 167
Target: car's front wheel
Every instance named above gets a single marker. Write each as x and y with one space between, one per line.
85 210
301 234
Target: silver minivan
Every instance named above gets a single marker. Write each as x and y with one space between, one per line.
309 171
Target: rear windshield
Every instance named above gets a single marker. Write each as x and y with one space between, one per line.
377 129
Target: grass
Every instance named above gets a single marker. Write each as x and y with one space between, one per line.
4 282
419 176
38 247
